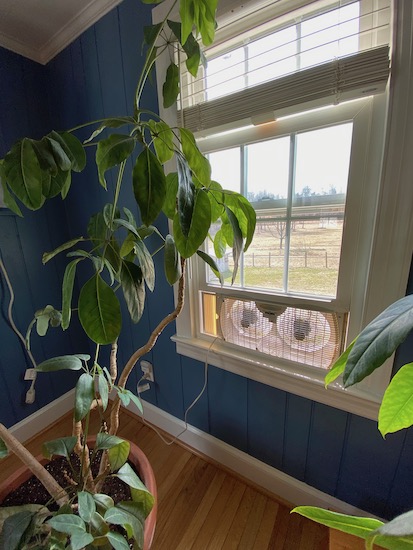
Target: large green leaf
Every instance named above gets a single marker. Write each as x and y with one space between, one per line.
84 395
133 526
205 21
149 185
151 33
186 196
67 523
47 256
133 289
63 362
24 175
197 162
172 265
67 292
244 213
339 366
146 263
116 539
163 140
216 198
198 230
186 13
112 151
61 159
8 198
73 149
170 89
139 492
87 505
212 264
99 311
118 455
396 410
191 47
59 447
379 340
14 528
169 205
220 244
237 240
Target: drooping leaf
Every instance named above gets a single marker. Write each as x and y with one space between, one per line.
172 265
99 311
212 264
149 185
237 242
191 47
87 505
14 528
151 32
47 256
59 155
244 213
205 20
198 230
186 13
84 395
197 162
163 142
170 89
59 447
396 410
139 492
112 151
220 244
60 183
186 196
3 449
133 526
103 391
133 289
111 123
216 198
67 292
339 366
73 149
64 362
45 155
118 455
135 399
146 263
378 340
8 198
23 174
169 206
127 225
98 527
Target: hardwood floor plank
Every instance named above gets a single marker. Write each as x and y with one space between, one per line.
218 540
254 521
265 530
236 529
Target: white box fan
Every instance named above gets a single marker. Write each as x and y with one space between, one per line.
301 335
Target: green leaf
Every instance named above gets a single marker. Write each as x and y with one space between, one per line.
73 149
103 391
47 256
151 33
149 185
24 175
135 399
197 162
8 197
106 441
139 492
87 506
14 528
146 264
59 447
205 21
244 213
116 539
98 525
118 455
169 205
99 311
170 89
396 410
97 229
186 13
103 501
172 265
198 231
67 292
237 241
63 362
339 365
191 47
67 523
123 396
127 246
79 539
379 340
112 151
133 289
186 196
84 396
220 244
132 524
163 141
3 449
45 155
211 262
111 123
59 155
217 200
109 214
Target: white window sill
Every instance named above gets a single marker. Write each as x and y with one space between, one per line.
274 373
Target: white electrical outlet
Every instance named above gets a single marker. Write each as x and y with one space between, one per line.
30 374
147 369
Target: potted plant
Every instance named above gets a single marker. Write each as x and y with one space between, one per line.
121 266
376 343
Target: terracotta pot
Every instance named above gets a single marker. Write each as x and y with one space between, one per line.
136 457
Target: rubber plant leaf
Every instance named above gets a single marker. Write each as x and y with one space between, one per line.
149 185
24 175
396 409
99 311
170 89
197 162
172 265
378 340
212 264
14 528
163 141
169 205
84 395
133 289
59 447
112 151
63 362
198 230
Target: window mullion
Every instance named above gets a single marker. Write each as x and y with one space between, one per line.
243 191
291 179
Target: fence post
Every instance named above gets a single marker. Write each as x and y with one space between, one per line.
326 260
269 259
305 258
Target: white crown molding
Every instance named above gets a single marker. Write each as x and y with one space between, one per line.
62 36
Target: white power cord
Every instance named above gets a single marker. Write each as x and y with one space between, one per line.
31 393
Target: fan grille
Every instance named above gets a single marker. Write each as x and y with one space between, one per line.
301 335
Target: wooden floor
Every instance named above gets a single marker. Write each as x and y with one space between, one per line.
201 506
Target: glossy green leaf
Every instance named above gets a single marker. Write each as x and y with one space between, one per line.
149 185
170 89
99 527
139 492
87 505
47 256
186 196
163 140
212 264
244 213
118 455
198 230
172 265
63 362
3 449
146 264
339 366
106 441
99 311
197 162
378 340
220 244
186 13
133 526
67 292
116 539
216 198
103 391
84 395
205 21
112 151
396 410
45 155
59 447
14 528
103 501
23 174
67 523
59 155
135 399
237 241
133 289
73 149
169 206
111 123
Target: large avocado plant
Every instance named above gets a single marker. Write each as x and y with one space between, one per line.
121 267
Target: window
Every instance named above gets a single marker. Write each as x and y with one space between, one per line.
301 133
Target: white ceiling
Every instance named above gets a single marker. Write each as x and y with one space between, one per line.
40 29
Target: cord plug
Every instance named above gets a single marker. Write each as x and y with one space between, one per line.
31 394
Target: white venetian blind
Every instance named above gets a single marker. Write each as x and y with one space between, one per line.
321 54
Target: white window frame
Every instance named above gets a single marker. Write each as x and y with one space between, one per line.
382 263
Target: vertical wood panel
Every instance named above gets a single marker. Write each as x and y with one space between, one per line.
297 426
193 376
401 494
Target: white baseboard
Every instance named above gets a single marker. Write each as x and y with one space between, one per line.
41 419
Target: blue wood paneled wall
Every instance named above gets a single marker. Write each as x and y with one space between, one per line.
339 453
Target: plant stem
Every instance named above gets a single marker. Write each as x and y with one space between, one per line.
48 481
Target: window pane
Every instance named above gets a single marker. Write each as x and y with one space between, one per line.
226 74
